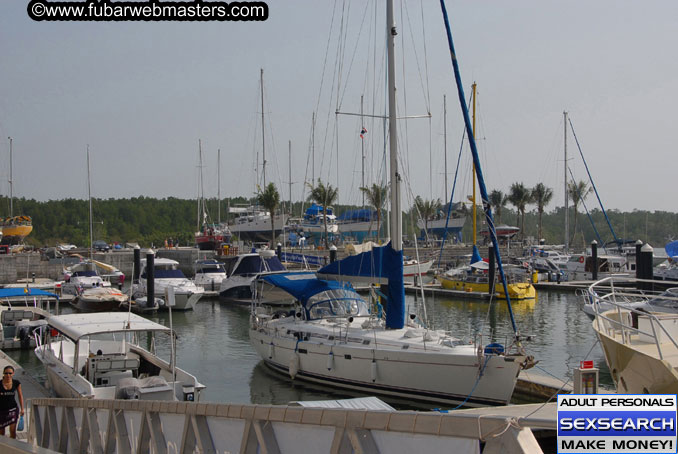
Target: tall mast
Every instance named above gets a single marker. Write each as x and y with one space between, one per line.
396 212
474 166
89 196
219 185
362 145
313 149
201 209
11 181
567 222
290 173
445 141
263 135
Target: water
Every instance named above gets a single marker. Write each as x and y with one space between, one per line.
214 344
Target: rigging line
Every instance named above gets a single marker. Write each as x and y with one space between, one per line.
581 199
341 48
609 224
405 131
355 51
423 32
416 56
327 52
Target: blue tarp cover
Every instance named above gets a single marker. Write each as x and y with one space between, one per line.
23 291
255 264
672 249
315 210
358 215
302 285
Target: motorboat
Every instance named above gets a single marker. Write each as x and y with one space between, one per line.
208 274
580 266
253 223
23 314
167 274
99 356
212 236
665 302
140 304
99 299
243 270
332 337
640 345
82 275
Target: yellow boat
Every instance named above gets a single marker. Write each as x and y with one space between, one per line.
477 283
15 229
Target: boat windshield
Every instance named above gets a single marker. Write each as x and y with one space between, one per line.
167 274
335 303
85 273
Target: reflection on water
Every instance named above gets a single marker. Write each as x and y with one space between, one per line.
214 344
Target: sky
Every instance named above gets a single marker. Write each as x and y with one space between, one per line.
142 94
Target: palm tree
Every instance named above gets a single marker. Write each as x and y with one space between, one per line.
427 209
541 195
577 192
498 201
324 196
270 199
376 197
520 197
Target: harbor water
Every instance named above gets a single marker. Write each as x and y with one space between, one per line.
213 344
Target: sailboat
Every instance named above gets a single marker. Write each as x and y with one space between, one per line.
335 338
210 235
14 228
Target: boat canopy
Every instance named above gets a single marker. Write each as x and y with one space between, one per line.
303 285
358 215
672 249
255 263
24 291
76 326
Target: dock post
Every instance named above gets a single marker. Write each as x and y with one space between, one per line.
137 265
594 260
333 253
646 255
150 276
278 251
490 271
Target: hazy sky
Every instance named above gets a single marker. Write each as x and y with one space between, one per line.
141 94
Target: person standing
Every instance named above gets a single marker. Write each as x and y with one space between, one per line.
9 411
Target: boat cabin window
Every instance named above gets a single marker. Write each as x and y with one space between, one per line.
335 303
165 273
85 273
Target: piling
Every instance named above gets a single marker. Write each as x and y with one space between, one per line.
278 251
645 261
137 265
150 275
594 260
639 245
491 270
333 253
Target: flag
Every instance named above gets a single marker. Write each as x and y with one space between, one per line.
363 132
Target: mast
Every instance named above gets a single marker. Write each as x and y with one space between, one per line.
219 185
201 208
89 196
475 229
396 212
567 222
313 149
362 145
445 141
290 173
11 181
263 135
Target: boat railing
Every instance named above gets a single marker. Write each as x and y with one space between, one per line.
625 320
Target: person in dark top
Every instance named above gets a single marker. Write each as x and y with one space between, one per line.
9 411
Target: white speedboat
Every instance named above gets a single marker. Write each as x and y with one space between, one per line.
167 274
209 274
334 339
81 276
640 344
23 312
99 299
254 223
243 270
98 356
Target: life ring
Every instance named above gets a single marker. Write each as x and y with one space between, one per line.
581 259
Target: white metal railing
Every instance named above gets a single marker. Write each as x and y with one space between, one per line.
608 300
126 426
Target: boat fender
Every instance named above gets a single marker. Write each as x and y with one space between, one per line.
494 349
581 259
294 365
270 350
373 370
330 361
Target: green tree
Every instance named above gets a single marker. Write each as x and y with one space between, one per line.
520 196
376 198
498 201
324 195
269 198
427 209
541 196
578 191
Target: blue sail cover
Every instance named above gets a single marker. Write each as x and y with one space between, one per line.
380 265
672 249
23 291
301 285
475 256
315 210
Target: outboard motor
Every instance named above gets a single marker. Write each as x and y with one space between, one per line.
23 331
